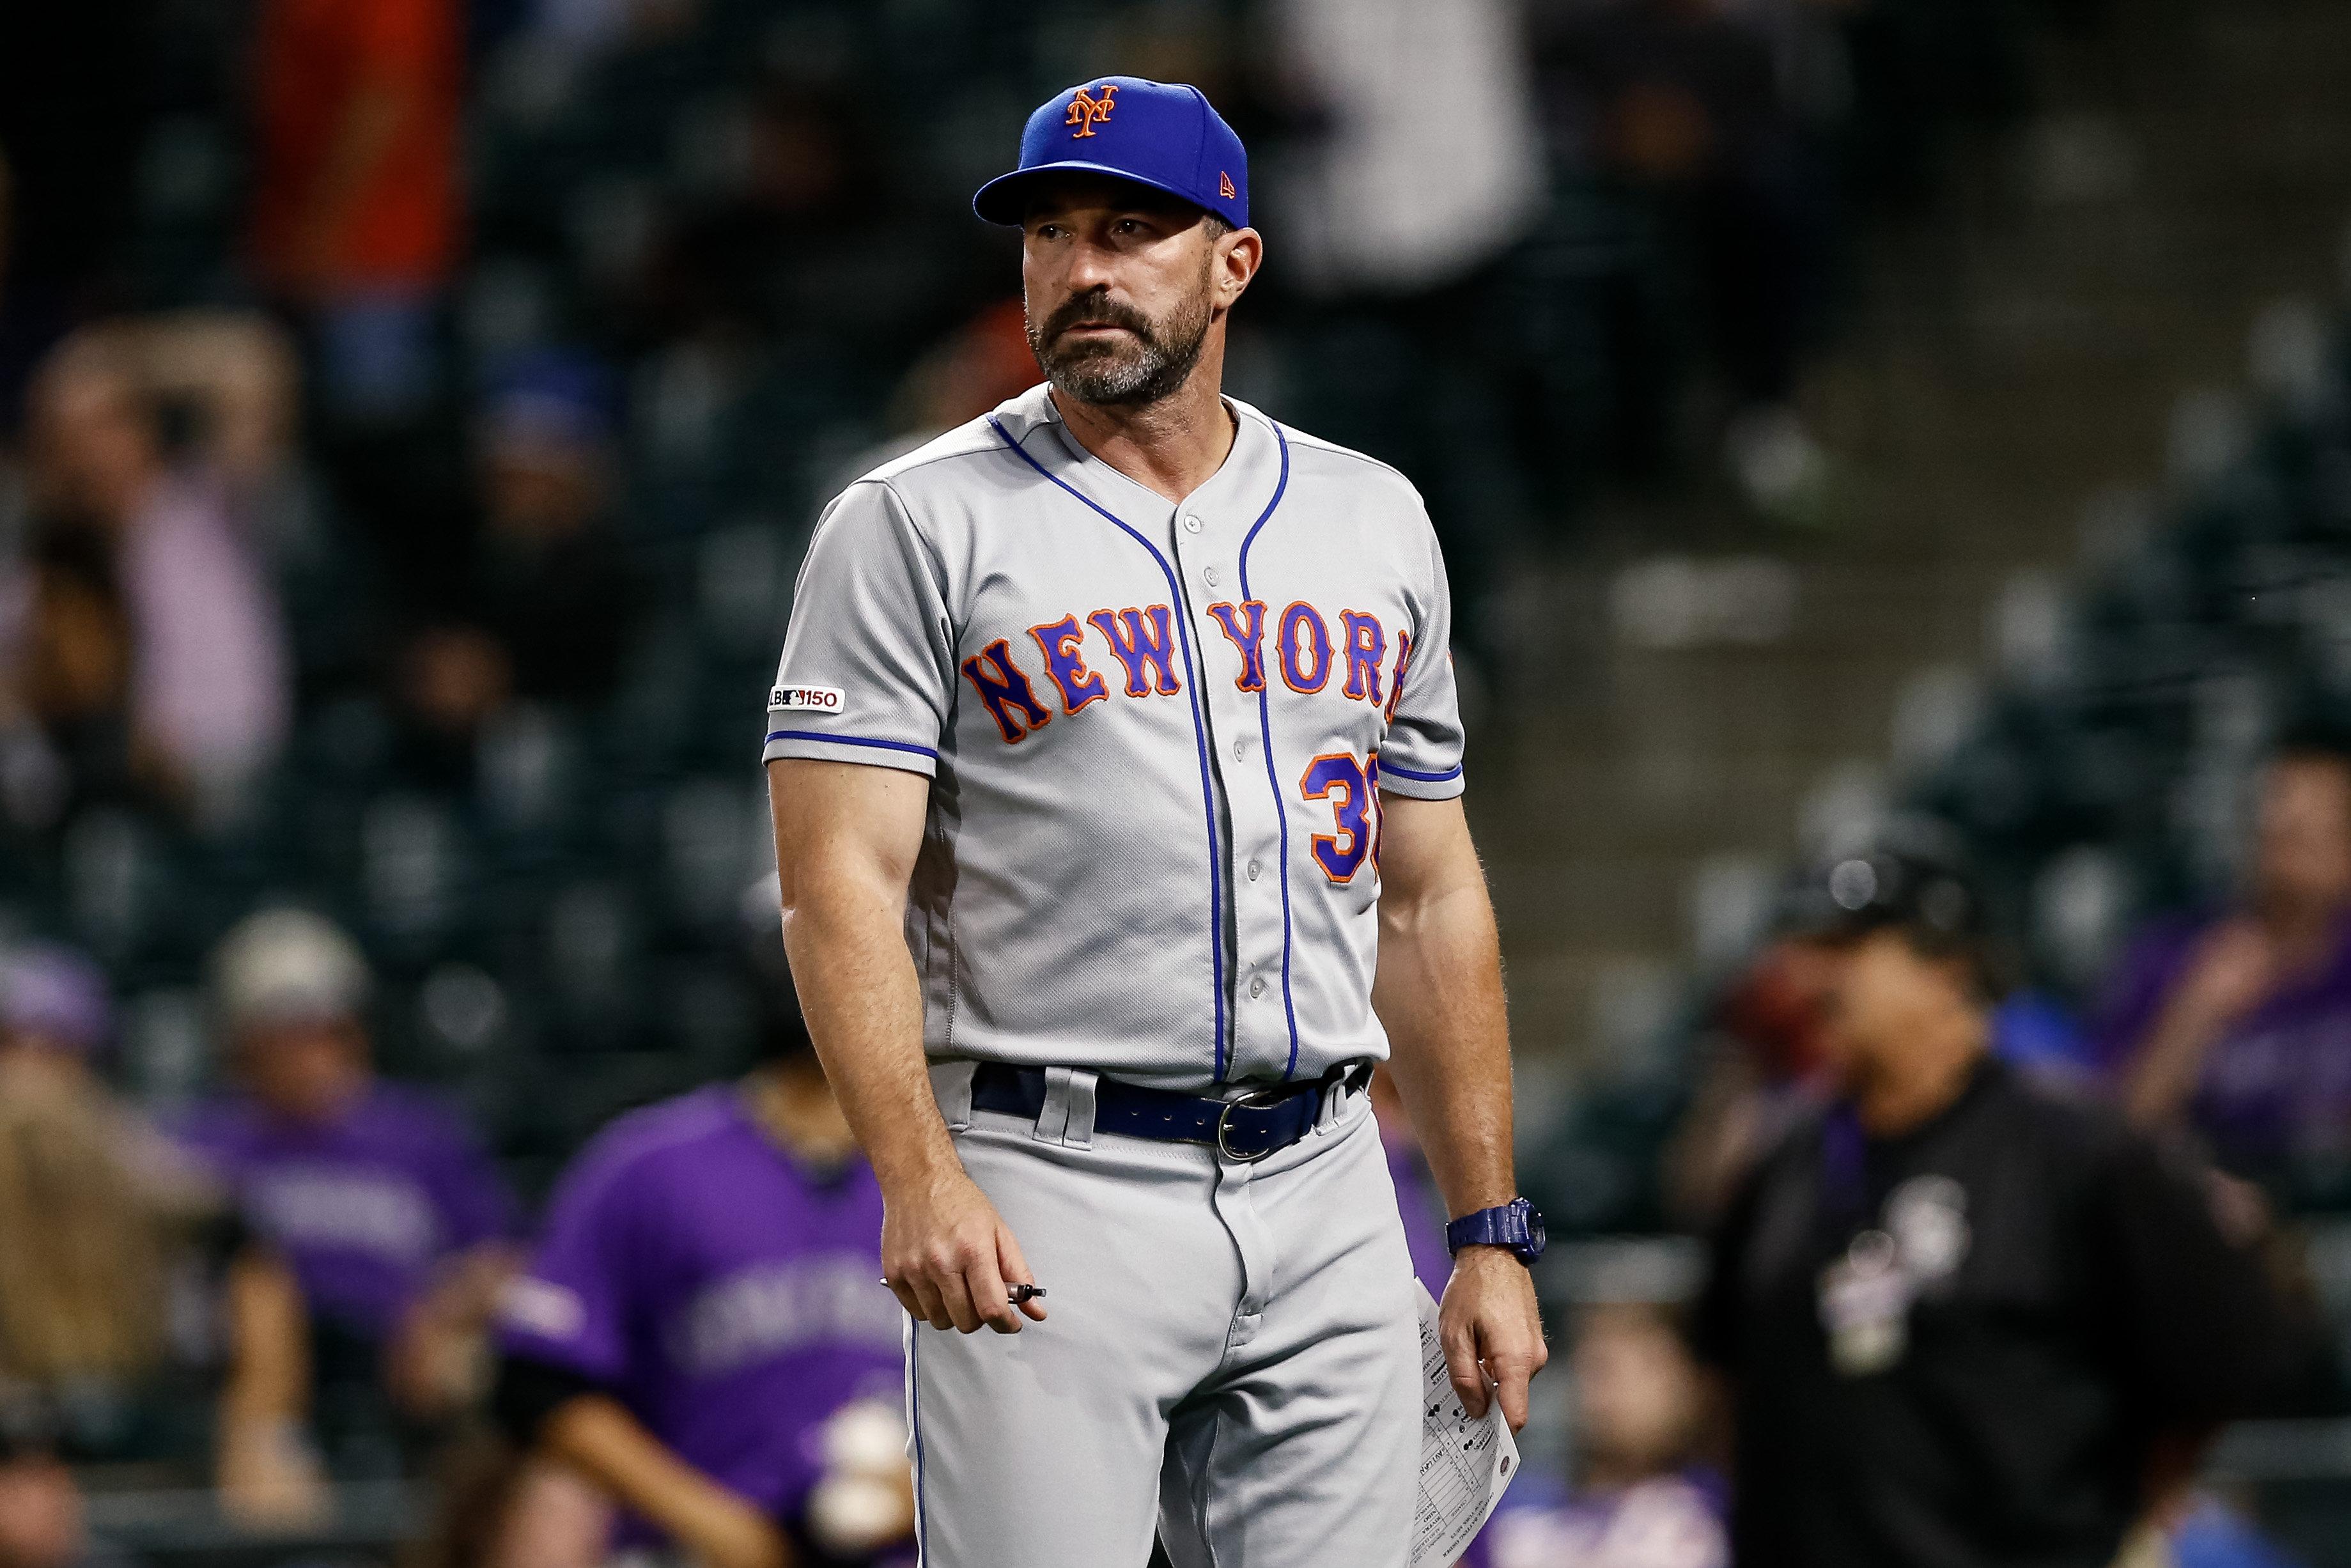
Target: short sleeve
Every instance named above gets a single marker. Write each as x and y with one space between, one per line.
868 670
572 1307
1421 756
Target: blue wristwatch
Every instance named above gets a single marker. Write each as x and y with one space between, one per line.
1515 1228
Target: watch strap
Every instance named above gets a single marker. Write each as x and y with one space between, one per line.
1510 1226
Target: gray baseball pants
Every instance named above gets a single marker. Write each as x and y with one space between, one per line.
1232 1354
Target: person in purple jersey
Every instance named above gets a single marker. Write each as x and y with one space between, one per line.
397 1227
701 1334
2238 1022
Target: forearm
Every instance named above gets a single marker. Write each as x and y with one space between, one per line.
269 1376
1438 992
595 1436
847 838
863 1005
266 1471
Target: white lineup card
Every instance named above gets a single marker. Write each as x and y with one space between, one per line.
1465 1463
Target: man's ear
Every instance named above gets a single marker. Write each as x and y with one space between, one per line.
1237 257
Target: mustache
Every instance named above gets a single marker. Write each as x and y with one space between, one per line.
1095 309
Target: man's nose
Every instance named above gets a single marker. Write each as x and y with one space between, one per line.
1091 267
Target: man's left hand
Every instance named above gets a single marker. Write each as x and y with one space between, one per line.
1491 1330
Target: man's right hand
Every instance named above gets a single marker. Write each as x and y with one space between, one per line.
950 1259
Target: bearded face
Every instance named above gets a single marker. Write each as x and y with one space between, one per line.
1100 351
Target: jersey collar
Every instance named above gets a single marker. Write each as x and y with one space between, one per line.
1234 495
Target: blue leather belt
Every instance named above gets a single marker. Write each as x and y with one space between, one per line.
1247 1128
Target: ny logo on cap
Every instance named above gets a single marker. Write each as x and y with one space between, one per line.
1084 112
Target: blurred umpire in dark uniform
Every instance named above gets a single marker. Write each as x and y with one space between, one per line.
1964 1321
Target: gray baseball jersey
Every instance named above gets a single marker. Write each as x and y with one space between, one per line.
1156 735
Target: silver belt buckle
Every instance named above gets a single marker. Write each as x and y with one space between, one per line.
1256 1100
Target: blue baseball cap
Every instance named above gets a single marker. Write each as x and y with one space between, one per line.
1161 134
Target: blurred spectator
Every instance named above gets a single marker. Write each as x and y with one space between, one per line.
395 1224
104 1224
151 615
1428 162
702 1335
1416 163
356 217
2238 1022
356 229
1639 1501
1965 1321
1677 103
83 1297
544 608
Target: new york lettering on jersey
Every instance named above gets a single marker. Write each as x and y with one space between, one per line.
1157 736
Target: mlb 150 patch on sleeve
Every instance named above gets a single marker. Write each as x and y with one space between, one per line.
807 699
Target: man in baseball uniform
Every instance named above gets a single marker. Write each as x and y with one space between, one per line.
1117 772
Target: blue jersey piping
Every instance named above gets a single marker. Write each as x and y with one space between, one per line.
1265 729
776 735
1199 727
1445 778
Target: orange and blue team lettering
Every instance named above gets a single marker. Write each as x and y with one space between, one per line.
1367 645
1144 641
1304 635
1079 685
1395 681
1010 700
1244 627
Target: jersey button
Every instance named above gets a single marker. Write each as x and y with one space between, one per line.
1211 575
1257 986
1240 750
1253 869
1191 524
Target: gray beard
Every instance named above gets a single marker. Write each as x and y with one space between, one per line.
1153 371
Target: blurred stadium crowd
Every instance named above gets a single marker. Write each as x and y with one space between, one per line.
410 414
